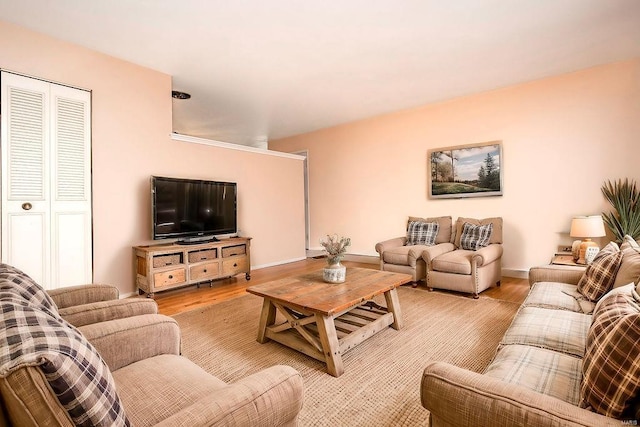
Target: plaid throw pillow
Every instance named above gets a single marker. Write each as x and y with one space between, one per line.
611 365
599 276
422 233
474 237
18 287
75 371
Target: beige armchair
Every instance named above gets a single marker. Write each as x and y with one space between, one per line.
469 271
55 374
396 256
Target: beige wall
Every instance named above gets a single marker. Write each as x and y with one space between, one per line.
131 113
562 138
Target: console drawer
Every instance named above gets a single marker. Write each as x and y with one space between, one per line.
209 270
168 259
232 267
203 255
234 250
171 277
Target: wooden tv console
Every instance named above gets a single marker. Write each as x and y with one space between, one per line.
170 266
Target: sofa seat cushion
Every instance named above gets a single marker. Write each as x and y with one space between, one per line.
457 262
558 330
156 388
560 296
544 371
403 255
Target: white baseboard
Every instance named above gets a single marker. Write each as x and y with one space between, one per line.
273 264
128 295
366 259
518 274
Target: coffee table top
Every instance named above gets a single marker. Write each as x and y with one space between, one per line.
310 293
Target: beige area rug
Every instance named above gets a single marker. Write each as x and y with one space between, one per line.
381 382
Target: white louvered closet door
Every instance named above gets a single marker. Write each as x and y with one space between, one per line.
46 181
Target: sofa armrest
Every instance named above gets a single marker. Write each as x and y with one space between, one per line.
455 396
488 254
83 294
556 273
271 397
389 244
122 342
102 311
433 251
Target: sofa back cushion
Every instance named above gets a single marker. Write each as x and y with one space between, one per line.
630 267
599 276
444 227
80 380
496 229
611 365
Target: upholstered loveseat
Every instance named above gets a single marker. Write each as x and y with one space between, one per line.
121 371
566 360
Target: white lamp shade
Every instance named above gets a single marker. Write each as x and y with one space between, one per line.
587 226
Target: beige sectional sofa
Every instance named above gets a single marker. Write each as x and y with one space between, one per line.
122 366
545 370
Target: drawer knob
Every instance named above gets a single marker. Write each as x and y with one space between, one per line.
170 276
205 270
235 264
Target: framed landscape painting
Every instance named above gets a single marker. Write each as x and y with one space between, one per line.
466 171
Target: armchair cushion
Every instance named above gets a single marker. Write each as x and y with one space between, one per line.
475 237
496 233
403 255
458 262
611 366
444 227
422 233
73 369
601 273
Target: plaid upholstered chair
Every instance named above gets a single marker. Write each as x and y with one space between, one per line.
404 254
475 265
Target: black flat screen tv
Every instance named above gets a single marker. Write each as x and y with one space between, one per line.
192 210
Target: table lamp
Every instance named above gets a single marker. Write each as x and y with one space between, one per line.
586 227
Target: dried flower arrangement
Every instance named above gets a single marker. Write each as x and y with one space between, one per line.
336 247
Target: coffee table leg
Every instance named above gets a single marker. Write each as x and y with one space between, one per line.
393 305
330 344
267 318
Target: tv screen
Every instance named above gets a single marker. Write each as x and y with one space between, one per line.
188 208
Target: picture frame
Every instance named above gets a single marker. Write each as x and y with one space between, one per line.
473 170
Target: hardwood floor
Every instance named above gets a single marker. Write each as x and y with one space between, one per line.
191 297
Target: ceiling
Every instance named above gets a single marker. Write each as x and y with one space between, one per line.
260 70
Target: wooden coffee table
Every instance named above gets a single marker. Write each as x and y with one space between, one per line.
324 320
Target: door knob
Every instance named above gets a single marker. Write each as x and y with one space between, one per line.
27 206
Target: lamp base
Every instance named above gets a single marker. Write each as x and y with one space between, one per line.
586 243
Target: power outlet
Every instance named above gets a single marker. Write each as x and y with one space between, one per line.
564 248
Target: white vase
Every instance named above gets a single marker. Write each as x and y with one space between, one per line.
334 273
